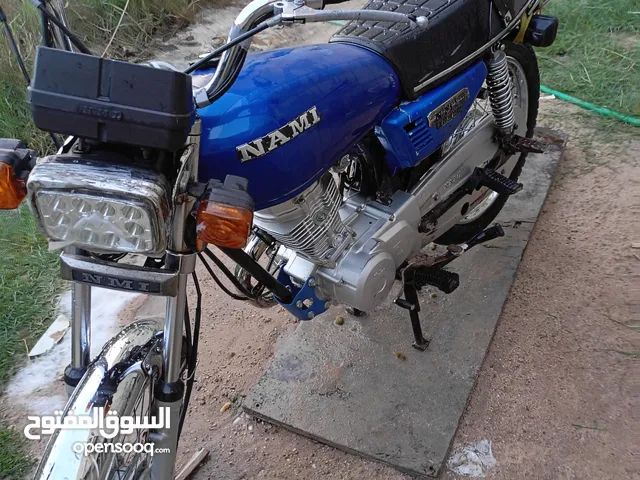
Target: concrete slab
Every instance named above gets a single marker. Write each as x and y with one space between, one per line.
360 387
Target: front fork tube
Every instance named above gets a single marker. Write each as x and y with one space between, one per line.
80 335
165 440
169 390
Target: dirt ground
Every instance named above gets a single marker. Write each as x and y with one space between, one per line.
558 394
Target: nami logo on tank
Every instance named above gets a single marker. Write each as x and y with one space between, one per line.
263 145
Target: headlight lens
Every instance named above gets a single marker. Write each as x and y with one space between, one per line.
96 221
100 207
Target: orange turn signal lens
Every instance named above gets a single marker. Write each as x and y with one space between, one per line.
223 225
12 189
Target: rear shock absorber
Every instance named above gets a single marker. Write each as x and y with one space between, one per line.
500 92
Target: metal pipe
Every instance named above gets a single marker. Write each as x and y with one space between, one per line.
177 243
233 58
174 320
80 325
63 18
14 46
166 441
194 139
52 18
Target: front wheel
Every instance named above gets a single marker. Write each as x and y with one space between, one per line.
525 80
119 381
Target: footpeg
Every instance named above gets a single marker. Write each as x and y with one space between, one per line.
491 233
443 280
516 143
428 271
485 177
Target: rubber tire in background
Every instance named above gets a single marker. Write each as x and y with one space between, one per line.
526 57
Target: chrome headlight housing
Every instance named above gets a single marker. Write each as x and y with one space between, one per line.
100 207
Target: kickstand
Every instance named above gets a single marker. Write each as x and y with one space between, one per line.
428 271
411 303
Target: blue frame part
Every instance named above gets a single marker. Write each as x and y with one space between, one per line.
305 294
414 130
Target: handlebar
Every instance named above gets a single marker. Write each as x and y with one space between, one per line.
305 14
251 21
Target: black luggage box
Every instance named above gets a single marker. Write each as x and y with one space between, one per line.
110 101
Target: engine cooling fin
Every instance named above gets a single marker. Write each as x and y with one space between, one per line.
309 223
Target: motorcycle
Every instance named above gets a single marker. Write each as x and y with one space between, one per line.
320 171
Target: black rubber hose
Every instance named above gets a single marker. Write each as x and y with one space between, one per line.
14 46
258 272
192 357
223 48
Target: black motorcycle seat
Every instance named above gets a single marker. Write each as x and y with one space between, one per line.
456 29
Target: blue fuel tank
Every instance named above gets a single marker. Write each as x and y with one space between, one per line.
291 114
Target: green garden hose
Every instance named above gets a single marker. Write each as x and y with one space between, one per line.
590 106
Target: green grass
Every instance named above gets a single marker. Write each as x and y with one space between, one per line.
29 279
92 20
29 284
13 464
596 56
15 120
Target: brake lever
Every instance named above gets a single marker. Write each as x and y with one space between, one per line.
294 12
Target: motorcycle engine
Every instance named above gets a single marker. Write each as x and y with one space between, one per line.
350 247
